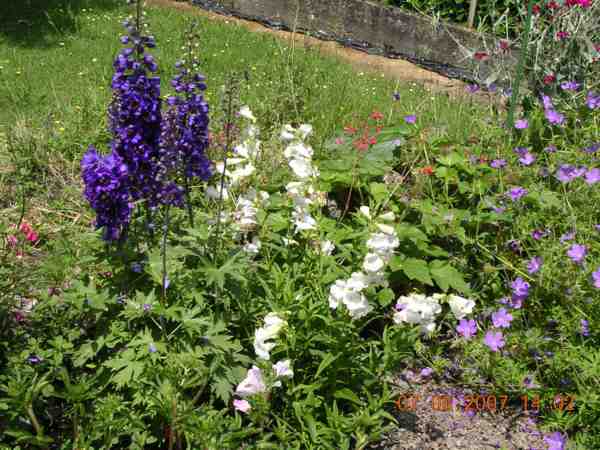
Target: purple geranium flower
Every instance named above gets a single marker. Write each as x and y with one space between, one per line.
498 163
567 173
592 148
570 86
592 176
502 318
521 124
517 193
520 289
555 441
547 102
527 159
585 328
494 340
592 100
467 328
596 278
426 372
472 88
534 264
569 236
577 253
411 118
554 117
551 148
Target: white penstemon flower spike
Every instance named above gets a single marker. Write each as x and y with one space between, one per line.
299 156
270 331
381 247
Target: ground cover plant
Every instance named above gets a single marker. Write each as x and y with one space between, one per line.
203 252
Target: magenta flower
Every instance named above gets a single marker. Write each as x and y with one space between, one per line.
521 124
502 318
468 328
577 253
411 118
494 340
534 264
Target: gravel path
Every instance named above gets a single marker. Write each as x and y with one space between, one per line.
432 416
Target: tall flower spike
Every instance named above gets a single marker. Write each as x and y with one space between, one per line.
135 115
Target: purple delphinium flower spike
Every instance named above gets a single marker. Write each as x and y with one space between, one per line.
107 189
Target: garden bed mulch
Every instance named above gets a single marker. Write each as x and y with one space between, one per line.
427 425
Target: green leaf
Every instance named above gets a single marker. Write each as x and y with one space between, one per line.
347 394
385 297
326 362
417 269
447 277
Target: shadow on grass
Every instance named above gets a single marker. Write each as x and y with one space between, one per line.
41 23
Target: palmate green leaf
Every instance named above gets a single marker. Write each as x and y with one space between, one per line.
222 388
447 276
131 371
385 297
417 269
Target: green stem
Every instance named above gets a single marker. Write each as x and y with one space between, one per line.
520 66
36 425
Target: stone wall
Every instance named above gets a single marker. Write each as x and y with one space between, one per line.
367 26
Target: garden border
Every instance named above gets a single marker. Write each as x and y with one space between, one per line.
370 27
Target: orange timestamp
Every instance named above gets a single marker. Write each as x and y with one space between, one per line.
484 403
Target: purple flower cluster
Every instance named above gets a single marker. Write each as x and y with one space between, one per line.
553 116
107 189
184 136
135 115
146 148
